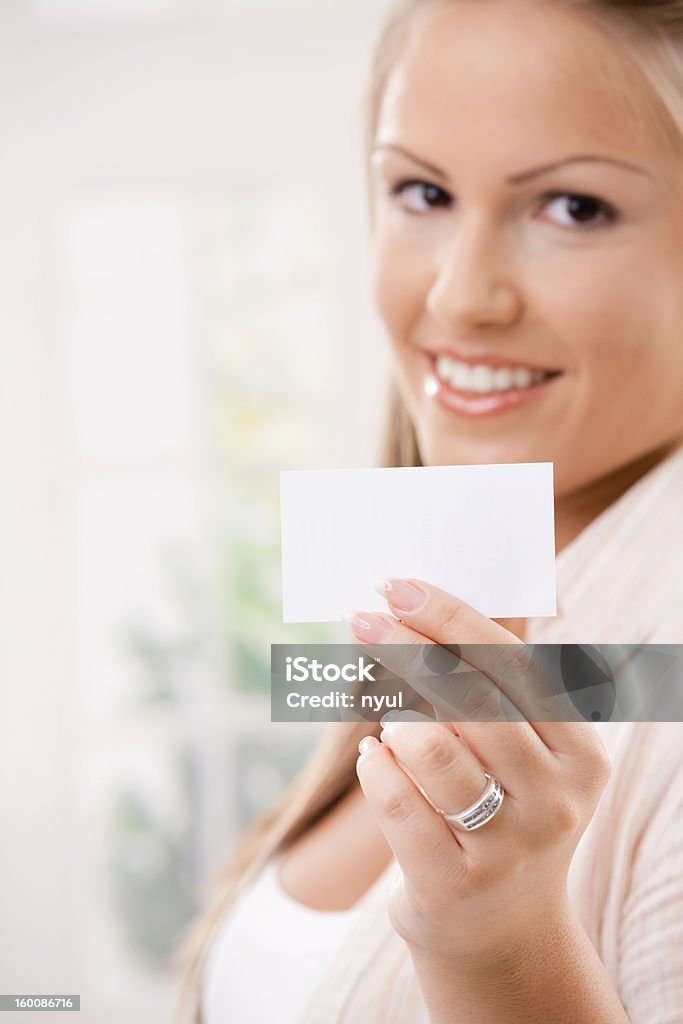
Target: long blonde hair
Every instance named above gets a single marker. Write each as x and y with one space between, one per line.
653 32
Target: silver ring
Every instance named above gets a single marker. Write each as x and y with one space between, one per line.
478 813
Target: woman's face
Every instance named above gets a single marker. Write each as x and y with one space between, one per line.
529 264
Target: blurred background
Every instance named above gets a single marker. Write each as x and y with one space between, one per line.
185 310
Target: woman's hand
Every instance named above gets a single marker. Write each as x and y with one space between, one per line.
471 898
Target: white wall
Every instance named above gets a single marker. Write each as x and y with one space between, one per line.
157 160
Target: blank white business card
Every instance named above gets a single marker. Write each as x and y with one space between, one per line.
483 533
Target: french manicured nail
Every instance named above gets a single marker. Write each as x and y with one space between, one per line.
394 728
366 743
391 716
369 626
405 596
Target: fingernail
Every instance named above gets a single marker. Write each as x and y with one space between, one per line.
402 594
392 716
396 727
366 743
373 628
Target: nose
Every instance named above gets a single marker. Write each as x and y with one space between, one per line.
475 285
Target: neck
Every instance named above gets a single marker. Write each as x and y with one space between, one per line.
575 511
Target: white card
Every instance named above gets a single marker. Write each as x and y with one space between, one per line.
482 533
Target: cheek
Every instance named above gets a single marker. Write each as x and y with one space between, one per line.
620 321
399 287
608 317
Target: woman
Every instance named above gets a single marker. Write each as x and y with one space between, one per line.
527 204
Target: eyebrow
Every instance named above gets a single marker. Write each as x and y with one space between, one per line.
516 179
522 176
411 156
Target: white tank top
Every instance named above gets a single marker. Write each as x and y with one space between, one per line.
268 954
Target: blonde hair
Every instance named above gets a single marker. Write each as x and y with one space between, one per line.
652 32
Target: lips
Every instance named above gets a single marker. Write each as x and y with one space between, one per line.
493 359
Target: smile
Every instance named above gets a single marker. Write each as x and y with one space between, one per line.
479 388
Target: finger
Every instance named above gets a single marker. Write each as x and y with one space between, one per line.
446 772
509 749
533 685
455 688
456 626
439 615
489 647
511 753
420 839
441 676
530 678
515 751
397 648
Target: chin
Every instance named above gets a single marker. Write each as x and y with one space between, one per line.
438 452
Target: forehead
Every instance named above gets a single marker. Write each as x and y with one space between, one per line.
515 78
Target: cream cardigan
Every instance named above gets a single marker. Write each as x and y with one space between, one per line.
620 581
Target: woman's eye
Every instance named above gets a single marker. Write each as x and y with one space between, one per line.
573 210
419 196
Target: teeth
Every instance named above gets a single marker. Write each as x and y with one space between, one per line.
502 379
459 376
483 379
443 367
522 378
